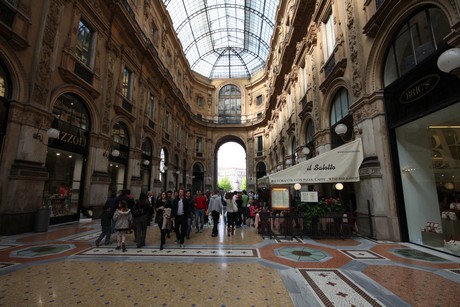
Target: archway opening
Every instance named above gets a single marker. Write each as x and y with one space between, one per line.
231 167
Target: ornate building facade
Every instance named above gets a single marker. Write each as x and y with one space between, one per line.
97 96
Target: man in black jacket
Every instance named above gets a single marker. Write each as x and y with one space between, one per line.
180 212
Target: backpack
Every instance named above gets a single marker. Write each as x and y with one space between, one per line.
137 210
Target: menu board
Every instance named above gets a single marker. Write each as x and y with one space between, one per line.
280 198
309 197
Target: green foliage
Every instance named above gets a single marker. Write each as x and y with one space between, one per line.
243 184
225 185
325 205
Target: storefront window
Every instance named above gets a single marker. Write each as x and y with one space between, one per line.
429 160
146 164
63 188
65 160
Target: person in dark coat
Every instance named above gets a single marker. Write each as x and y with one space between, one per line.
140 213
180 212
106 224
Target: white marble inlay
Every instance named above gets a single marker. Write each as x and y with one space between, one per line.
190 252
87 237
339 290
361 254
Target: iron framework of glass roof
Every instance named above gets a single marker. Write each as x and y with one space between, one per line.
224 38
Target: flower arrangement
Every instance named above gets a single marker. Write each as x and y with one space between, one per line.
319 209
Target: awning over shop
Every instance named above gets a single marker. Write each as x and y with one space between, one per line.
263 182
340 164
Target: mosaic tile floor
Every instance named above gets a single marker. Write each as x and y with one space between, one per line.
64 267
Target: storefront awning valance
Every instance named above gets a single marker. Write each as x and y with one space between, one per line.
340 164
263 182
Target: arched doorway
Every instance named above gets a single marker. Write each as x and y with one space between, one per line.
163 168
231 163
198 177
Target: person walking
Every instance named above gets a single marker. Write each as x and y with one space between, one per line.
180 211
232 210
245 206
163 217
190 203
140 214
215 209
200 208
123 219
106 224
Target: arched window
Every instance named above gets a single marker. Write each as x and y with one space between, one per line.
339 107
147 148
417 38
229 106
5 93
339 114
5 82
309 140
146 164
309 135
71 110
120 134
293 151
261 170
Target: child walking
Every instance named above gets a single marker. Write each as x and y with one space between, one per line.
123 219
106 224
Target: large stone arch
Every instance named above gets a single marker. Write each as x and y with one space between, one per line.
221 141
19 79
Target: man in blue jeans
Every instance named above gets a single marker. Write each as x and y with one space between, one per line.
200 208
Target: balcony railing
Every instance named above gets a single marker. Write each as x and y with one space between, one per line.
127 105
83 72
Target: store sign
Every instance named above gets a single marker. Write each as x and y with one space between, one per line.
340 164
419 89
72 139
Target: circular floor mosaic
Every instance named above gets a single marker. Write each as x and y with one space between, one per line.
302 254
416 254
43 250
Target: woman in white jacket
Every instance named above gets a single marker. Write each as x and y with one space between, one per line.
123 220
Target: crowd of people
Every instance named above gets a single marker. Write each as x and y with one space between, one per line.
175 212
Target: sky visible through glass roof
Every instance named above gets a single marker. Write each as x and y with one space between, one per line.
224 38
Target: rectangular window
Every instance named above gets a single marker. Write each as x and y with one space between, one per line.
259 100
84 45
199 101
199 146
166 122
329 36
126 89
151 108
260 144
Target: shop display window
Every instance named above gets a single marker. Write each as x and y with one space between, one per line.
429 156
61 191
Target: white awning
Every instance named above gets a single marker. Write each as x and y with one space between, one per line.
340 164
263 182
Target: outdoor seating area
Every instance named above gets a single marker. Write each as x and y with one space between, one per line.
288 224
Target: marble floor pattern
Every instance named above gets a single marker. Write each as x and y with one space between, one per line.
63 267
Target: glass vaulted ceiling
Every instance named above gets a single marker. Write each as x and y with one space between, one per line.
224 38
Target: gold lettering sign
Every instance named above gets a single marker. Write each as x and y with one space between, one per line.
72 139
419 89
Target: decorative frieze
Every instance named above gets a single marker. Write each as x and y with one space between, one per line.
45 65
357 84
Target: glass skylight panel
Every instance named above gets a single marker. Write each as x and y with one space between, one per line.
219 31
